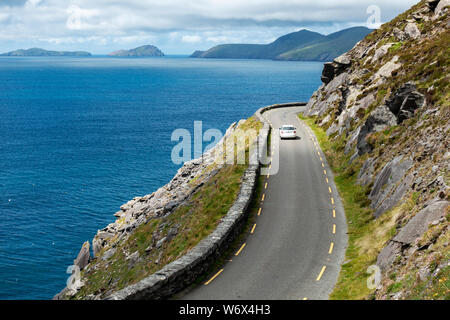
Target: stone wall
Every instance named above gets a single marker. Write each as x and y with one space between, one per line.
182 272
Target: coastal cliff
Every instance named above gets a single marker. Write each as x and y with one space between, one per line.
152 231
383 115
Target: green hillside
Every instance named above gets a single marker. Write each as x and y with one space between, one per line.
327 48
260 51
301 45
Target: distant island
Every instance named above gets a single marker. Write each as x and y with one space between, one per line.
303 45
38 52
143 51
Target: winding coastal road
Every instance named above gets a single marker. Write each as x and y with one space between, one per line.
297 245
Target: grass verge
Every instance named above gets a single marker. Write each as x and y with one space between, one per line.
366 235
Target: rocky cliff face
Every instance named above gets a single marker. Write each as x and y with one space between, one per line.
386 104
156 229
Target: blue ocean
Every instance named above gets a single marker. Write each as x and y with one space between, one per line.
81 136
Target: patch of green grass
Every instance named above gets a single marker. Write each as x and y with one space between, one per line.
395 47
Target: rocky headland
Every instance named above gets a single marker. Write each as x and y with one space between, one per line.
143 51
38 52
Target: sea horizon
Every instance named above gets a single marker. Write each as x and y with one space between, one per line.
83 135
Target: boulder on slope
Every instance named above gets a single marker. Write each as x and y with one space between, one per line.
379 119
412 231
405 101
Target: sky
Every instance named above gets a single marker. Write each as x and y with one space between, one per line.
177 26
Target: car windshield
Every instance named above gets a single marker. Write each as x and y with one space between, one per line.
287 128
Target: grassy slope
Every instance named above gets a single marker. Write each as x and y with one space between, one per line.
301 45
196 220
367 235
328 48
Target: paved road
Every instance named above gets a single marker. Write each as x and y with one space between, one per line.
297 246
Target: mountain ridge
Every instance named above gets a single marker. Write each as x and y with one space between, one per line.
286 47
383 117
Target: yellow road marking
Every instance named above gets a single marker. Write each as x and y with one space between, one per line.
325 172
329 189
253 229
332 200
239 251
334 213
264 195
331 248
326 179
321 273
305 298
334 229
215 276
318 153
268 176
259 211
265 187
323 166
321 159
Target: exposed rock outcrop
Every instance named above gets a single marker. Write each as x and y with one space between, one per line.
335 68
411 232
378 120
83 257
386 191
385 104
405 102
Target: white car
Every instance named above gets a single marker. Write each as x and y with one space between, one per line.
288 132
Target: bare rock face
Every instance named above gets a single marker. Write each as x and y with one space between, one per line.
399 34
432 4
379 119
387 256
335 68
412 231
386 70
418 225
441 7
390 185
381 52
83 257
405 101
379 87
412 31
365 175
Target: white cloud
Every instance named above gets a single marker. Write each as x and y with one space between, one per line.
191 39
175 25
